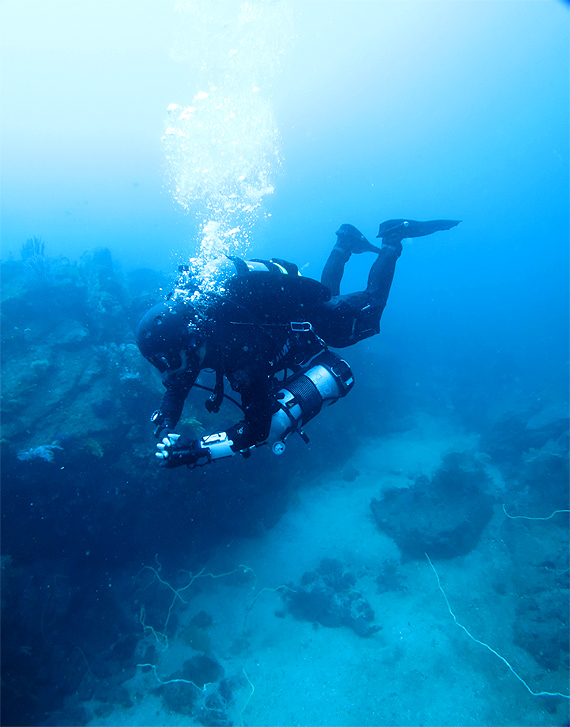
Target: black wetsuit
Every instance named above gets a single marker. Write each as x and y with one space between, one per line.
272 321
346 319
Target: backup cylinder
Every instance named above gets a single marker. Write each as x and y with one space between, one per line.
304 394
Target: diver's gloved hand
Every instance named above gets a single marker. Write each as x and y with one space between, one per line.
175 451
396 230
161 431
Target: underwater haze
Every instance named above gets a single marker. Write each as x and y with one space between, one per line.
374 110
141 135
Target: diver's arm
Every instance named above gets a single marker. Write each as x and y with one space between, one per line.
253 429
167 417
257 405
253 383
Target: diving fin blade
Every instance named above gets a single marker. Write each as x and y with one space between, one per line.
414 228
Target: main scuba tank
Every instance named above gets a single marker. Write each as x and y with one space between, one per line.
304 394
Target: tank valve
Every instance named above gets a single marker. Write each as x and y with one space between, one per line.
278 448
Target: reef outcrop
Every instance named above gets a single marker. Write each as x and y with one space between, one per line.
443 517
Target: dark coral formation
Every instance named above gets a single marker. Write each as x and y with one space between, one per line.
531 451
327 596
196 633
390 578
443 517
540 578
201 691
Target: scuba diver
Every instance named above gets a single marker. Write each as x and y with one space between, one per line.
266 329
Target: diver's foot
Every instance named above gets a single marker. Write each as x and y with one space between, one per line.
351 240
391 230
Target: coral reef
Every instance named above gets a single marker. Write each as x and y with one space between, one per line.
531 450
327 596
443 517
390 578
198 690
540 579
44 451
82 496
36 265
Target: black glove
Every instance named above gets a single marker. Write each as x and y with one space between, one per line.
175 451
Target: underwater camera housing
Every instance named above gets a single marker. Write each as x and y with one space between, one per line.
303 395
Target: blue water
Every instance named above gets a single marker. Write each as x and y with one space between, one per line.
381 110
455 110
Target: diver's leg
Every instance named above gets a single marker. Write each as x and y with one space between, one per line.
348 240
347 319
392 233
382 272
334 269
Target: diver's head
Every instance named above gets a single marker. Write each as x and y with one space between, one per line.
168 336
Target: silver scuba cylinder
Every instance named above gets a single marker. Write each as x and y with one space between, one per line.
304 394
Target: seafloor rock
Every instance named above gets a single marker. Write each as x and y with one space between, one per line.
443 517
539 574
196 633
206 698
68 347
326 596
390 578
541 628
509 439
532 454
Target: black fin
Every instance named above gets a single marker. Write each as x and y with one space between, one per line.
352 240
412 228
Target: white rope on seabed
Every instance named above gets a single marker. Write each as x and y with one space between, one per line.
482 643
526 517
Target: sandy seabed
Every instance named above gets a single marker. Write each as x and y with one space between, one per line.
419 668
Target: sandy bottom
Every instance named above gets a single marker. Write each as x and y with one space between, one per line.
420 668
